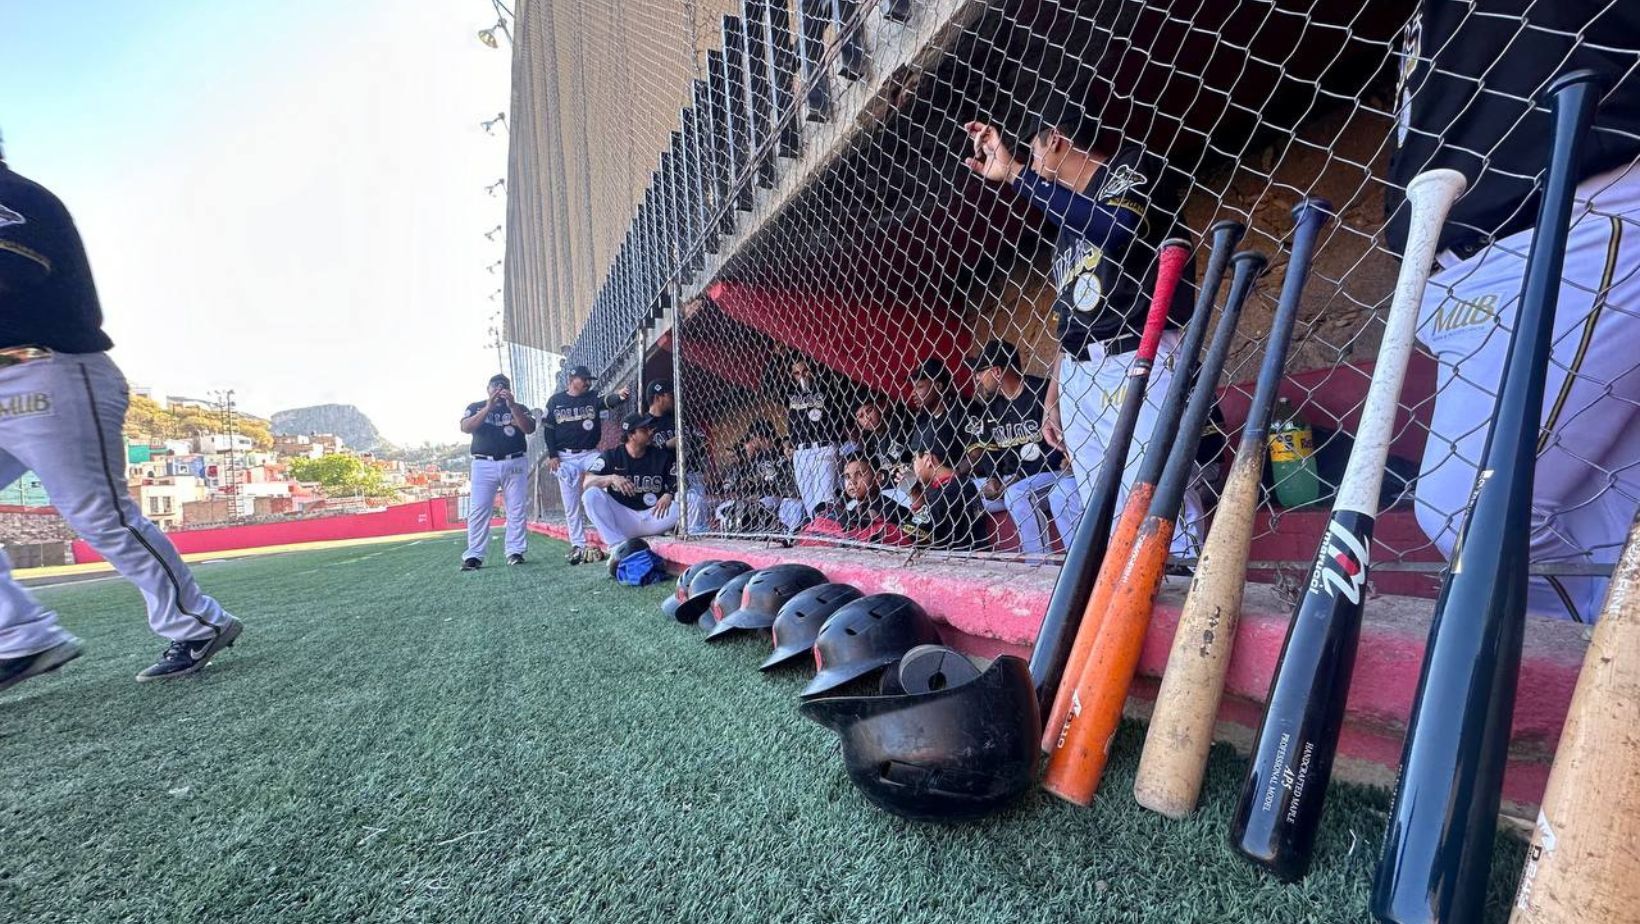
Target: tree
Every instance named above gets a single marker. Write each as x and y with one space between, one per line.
341 476
146 420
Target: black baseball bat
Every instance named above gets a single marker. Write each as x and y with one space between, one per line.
1087 548
1276 818
1438 848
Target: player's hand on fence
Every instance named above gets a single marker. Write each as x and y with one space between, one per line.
663 505
991 159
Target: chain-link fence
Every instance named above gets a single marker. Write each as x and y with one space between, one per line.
858 231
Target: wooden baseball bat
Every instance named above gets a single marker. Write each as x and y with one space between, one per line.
1225 236
1585 855
1438 848
1181 727
1087 547
1097 695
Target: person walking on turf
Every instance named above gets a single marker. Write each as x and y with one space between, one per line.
570 430
62 413
499 426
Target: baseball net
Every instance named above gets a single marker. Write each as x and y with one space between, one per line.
713 191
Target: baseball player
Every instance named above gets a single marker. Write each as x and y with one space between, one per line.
499 426
934 399
763 473
661 407
628 489
571 432
882 442
1112 210
1469 75
946 512
812 425
863 515
1029 472
62 412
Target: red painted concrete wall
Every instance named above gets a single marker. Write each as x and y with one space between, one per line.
420 517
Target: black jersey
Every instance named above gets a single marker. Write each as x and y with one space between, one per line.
1104 277
950 516
498 435
47 298
887 448
767 474
812 412
573 424
1011 434
652 475
1469 76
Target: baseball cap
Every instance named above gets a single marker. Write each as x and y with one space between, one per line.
634 421
656 389
933 370
499 379
1063 114
580 372
995 353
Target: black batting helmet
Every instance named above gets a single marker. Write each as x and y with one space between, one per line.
867 635
766 593
705 586
670 605
962 751
622 550
798 623
726 601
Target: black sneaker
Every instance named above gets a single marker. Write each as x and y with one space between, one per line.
14 671
471 564
576 555
516 558
184 658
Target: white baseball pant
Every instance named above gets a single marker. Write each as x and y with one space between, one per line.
1588 474
512 478
816 471
1025 498
617 522
64 420
1090 396
571 466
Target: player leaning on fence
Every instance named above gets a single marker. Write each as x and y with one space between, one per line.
571 430
1469 75
1113 206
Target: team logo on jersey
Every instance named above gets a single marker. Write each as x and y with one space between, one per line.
37 404
1341 565
597 465
896 450
1121 180
1030 452
767 470
922 517
10 216
509 430
649 500
815 414
1457 314
586 425
974 426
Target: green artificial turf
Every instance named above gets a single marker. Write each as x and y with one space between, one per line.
392 740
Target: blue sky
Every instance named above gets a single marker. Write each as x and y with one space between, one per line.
283 198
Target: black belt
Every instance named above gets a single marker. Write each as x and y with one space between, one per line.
480 455
1115 346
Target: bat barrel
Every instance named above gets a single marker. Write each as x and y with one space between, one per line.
1438 848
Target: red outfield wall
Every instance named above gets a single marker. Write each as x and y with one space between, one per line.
420 517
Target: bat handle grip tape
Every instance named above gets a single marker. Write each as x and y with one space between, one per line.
1175 252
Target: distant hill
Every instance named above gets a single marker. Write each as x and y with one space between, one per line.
344 420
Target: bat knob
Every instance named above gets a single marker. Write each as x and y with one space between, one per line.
1310 204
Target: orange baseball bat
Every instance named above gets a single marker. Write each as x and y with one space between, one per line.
1225 236
1099 692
